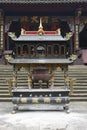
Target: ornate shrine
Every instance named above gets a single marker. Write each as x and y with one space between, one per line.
40 53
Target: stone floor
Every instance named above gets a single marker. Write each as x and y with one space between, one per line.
44 119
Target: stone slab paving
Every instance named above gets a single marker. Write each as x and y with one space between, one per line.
44 119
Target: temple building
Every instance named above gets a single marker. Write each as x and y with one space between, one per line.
68 15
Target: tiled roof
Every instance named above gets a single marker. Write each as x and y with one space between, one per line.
42 1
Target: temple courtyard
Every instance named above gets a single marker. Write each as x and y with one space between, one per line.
39 118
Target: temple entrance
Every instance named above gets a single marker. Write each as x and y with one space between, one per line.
83 43
83 38
50 23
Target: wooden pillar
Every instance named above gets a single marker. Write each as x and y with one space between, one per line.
2 46
78 13
7 39
76 36
71 47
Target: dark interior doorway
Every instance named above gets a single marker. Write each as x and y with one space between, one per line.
83 38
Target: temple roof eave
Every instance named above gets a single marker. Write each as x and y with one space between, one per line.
42 1
41 38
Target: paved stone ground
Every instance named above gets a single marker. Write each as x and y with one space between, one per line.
44 119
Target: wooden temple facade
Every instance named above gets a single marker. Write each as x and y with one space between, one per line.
68 15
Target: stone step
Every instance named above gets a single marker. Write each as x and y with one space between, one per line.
78 72
80 99
55 76
60 76
5 99
57 71
79 95
76 88
5 95
80 86
4 91
56 80
80 82
55 84
80 91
